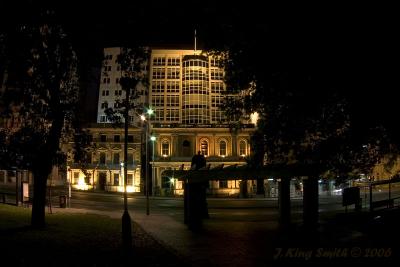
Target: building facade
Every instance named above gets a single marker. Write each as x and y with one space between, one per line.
110 91
186 90
103 167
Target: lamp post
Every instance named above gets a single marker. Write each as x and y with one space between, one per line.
149 112
126 218
153 139
69 187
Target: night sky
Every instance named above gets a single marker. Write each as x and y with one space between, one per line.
357 44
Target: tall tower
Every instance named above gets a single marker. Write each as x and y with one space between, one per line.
186 87
195 90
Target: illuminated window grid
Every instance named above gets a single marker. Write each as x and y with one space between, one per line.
173 61
158 73
159 114
172 86
173 73
172 115
217 87
216 101
158 61
172 101
218 116
195 92
157 87
216 74
157 101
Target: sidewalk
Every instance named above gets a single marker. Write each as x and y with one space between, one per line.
253 243
222 243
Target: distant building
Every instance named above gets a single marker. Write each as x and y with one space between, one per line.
103 168
110 91
186 90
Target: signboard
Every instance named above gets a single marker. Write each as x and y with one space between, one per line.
351 196
25 191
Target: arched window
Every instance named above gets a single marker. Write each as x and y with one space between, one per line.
222 148
204 147
242 148
165 148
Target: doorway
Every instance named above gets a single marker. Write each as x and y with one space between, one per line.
102 181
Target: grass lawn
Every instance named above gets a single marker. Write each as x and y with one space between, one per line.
74 240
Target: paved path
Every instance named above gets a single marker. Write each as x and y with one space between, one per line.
223 242
227 241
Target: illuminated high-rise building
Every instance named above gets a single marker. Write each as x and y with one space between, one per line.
185 90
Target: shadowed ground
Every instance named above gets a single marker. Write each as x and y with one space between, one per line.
74 240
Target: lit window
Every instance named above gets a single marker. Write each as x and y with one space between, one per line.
172 115
204 147
157 87
129 179
173 61
172 86
222 148
157 101
158 73
173 101
159 61
242 148
173 73
165 148
116 179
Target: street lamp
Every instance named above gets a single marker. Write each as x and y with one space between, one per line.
149 112
152 139
126 218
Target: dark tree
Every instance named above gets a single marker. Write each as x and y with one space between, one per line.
306 97
40 98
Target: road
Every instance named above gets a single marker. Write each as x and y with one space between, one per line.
253 209
226 209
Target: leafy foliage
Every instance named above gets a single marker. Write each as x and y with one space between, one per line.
133 62
307 117
39 102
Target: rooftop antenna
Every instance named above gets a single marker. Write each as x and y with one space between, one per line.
195 41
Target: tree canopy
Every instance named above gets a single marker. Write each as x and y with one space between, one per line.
309 101
39 99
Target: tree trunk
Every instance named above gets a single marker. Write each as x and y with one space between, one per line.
39 200
42 169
